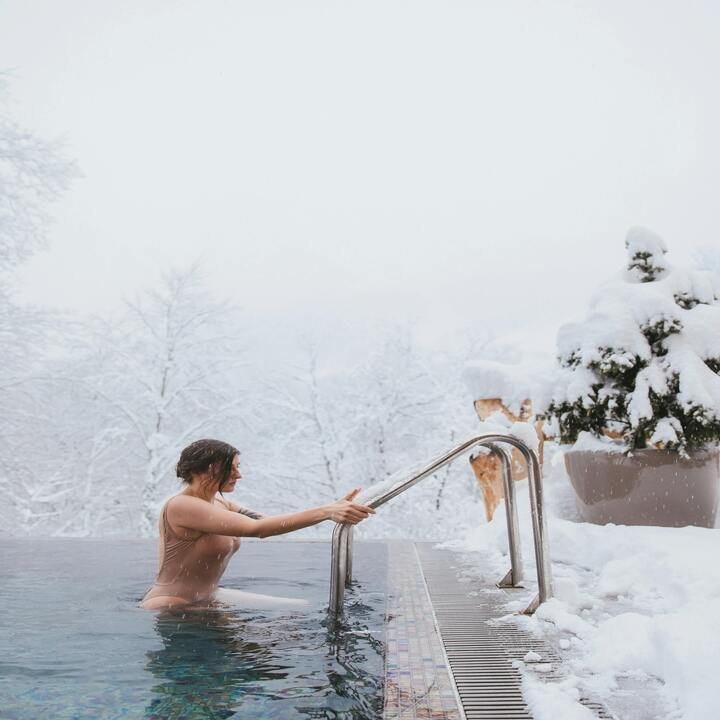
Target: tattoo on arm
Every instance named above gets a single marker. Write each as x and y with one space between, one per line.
250 513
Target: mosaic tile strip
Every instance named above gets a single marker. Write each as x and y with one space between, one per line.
417 682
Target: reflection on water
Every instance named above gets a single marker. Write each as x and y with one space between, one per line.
221 663
352 646
205 665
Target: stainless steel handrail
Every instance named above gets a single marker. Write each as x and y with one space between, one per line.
514 576
341 553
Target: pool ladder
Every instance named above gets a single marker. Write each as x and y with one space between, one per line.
342 539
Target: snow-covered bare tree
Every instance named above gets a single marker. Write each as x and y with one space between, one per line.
33 173
303 432
170 378
96 452
398 404
324 432
413 407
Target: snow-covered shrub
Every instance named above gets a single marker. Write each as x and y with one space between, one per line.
644 365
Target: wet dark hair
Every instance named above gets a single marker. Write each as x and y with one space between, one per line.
203 455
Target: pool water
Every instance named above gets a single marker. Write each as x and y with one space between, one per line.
75 644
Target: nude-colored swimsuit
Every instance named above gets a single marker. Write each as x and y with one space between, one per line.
190 568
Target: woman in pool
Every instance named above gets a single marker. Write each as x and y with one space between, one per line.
200 529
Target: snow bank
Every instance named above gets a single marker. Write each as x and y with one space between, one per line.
632 604
554 701
588 442
526 433
511 383
513 367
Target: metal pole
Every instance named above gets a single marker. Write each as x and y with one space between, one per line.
514 576
540 534
349 555
338 573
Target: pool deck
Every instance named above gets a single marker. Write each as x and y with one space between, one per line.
447 657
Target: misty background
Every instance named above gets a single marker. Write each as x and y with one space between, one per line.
291 224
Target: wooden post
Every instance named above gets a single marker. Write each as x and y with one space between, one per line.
486 467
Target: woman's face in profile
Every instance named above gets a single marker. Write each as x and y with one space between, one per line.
234 475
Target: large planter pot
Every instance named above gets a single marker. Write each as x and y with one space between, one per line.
649 487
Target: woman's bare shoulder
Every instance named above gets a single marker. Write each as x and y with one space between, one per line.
182 505
192 513
182 500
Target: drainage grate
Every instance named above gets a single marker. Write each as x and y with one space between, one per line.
479 653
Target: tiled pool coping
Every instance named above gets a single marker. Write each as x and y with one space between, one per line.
417 681
447 657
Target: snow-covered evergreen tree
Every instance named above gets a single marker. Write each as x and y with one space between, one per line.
644 365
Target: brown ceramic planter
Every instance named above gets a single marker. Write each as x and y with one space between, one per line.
650 487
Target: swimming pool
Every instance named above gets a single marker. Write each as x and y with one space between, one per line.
75 645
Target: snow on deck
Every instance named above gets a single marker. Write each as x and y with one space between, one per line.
636 612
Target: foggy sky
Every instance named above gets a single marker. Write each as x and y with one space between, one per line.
338 164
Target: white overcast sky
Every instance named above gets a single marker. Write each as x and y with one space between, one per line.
455 163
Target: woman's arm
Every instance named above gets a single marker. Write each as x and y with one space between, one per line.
234 507
195 514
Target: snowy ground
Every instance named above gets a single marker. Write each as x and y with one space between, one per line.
636 615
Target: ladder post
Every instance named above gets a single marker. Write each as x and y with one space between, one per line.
514 576
349 555
540 533
338 570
